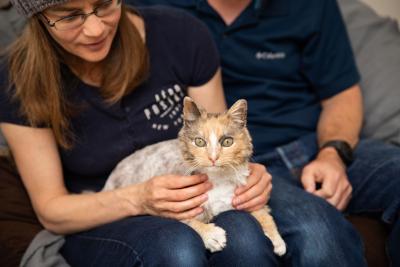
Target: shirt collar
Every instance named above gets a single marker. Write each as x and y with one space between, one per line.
184 3
262 7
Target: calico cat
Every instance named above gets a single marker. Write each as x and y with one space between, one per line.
218 145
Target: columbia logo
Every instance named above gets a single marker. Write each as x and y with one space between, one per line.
270 55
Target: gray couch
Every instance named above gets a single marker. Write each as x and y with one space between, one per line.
376 44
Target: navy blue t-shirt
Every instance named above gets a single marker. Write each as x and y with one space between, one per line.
182 54
284 57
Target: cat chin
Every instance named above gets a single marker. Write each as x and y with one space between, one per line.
211 168
214 168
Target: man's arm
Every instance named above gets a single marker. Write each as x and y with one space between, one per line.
340 119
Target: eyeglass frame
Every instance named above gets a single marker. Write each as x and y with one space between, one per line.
83 15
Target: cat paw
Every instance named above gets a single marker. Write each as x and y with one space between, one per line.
279 247
214 238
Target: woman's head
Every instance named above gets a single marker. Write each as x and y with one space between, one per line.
85 29
68 32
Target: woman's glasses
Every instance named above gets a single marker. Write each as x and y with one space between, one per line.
75 21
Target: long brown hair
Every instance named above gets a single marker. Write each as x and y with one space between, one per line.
34 68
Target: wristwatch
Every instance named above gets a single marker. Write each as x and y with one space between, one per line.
343 149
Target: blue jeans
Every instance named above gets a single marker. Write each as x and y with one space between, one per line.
154 241
315 232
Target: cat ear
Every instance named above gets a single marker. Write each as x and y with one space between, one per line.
190 110
238 113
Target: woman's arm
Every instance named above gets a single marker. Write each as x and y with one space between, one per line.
341 119
38 162
36 155
210 96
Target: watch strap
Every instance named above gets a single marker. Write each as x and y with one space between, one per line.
343 149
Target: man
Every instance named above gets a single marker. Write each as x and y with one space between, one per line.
293 62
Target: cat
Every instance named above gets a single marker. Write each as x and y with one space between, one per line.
218 145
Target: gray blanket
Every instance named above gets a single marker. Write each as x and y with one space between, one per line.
44 251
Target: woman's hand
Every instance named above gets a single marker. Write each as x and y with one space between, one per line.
173 196
255 194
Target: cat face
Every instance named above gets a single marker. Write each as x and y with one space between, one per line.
215 140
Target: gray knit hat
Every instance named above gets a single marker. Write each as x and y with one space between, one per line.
28 8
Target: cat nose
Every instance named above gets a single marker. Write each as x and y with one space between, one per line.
213 159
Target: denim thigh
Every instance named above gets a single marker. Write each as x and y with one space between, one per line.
375 177
246 243
315 232
136 241
155 241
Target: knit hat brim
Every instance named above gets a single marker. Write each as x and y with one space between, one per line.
28 8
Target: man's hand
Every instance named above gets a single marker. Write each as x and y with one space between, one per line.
255 194
329 171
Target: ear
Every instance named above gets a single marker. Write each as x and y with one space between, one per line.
238 113
190 110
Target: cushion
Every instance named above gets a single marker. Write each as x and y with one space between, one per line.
11 25
18 222
374 235
4 3
376 45
2 141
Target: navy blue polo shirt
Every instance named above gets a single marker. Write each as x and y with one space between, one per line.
284 57
182 54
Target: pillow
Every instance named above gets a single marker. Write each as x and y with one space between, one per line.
3 143
11 25
4 3
376 45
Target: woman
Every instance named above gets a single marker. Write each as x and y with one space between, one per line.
88 83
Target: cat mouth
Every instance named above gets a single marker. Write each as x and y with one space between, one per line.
211 169
215 167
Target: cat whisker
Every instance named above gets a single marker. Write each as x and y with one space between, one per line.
192 168
235 170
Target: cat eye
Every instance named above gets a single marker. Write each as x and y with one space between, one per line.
227 142
200 142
